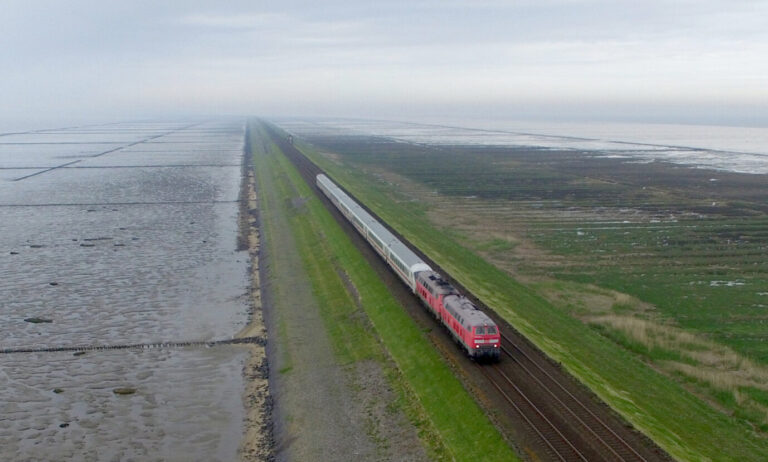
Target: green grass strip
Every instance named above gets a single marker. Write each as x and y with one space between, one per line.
464 430
678 421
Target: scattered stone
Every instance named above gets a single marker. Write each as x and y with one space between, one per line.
53 283
78 353
124 391
35 246
64 425
119 244
87 245
14 253
58 390
38 320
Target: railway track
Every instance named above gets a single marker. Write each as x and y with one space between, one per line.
563 420
558 445
615 447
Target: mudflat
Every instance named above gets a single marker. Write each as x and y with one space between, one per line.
115 235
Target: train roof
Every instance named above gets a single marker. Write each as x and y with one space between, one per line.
405 254
436 283
468 311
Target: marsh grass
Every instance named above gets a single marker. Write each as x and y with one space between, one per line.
708 361
588 256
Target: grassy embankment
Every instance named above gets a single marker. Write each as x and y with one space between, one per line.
666 261
450 422
684 425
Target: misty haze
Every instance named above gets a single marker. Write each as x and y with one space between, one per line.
431 230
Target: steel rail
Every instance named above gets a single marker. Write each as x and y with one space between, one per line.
618 438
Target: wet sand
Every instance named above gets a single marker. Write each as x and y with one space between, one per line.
122 234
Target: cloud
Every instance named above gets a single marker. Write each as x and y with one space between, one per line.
234 21
245 56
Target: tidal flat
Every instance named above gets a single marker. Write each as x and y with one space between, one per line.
122 234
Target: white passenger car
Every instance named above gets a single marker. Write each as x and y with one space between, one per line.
403 261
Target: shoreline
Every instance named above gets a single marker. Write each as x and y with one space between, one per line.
257 443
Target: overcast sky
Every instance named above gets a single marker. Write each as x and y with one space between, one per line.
681 61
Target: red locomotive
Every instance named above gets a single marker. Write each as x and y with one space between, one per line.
470 327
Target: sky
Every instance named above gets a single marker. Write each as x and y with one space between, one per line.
687 61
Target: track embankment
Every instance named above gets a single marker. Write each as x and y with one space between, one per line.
333 398
538 406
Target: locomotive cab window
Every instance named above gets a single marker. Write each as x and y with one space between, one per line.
480 330
491 329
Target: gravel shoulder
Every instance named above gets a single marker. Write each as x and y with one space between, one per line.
258 442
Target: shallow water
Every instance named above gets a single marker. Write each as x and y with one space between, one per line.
137 245
735 149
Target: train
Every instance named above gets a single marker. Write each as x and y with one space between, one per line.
472 329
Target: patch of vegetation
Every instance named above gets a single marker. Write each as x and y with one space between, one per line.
495 245
362 320
608 232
